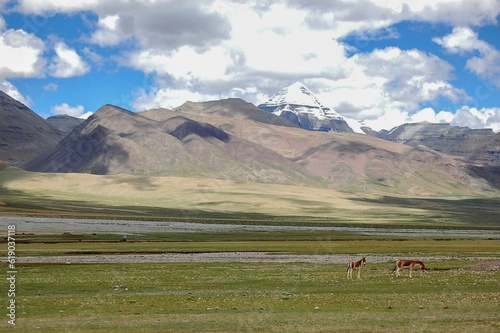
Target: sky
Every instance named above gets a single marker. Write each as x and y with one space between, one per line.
382 62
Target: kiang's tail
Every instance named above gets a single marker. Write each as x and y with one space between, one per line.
395 266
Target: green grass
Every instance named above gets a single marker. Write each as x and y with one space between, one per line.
256 297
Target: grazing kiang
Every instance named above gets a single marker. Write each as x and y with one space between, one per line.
408 264
352 265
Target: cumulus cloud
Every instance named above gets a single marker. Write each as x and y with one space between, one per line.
167 98
456 13
385 86
74 111
167 24
21 54
67 63
461 40
429 115
464 40
345 17
474 118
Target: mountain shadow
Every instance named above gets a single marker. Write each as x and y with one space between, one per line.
183 127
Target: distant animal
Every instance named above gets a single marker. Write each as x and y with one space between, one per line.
352 265
407 264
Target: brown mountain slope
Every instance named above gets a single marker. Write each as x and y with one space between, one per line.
233 108
353 162
23 133
115 140
229 140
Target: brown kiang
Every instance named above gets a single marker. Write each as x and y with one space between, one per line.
407 264
353 265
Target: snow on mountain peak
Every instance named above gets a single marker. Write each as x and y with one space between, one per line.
299 104
294 94
299 98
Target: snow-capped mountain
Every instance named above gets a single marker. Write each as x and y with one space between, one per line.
299 104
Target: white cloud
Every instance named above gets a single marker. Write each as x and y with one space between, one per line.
385 86
454 12
106 34
67 63
166 24
345 17
167 98
463 40
96 58
429 115
51 87
474 118
21 54
74 111
487 66
185 65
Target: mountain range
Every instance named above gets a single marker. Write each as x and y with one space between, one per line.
234 139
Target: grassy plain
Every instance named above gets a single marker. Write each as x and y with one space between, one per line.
254 297
225 201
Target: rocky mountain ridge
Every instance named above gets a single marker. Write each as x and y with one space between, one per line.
23 133
233 139
115 140
64 122
475 145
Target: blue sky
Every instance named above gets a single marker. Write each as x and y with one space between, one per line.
382 62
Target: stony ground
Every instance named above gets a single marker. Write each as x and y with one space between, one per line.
32 224
129 227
